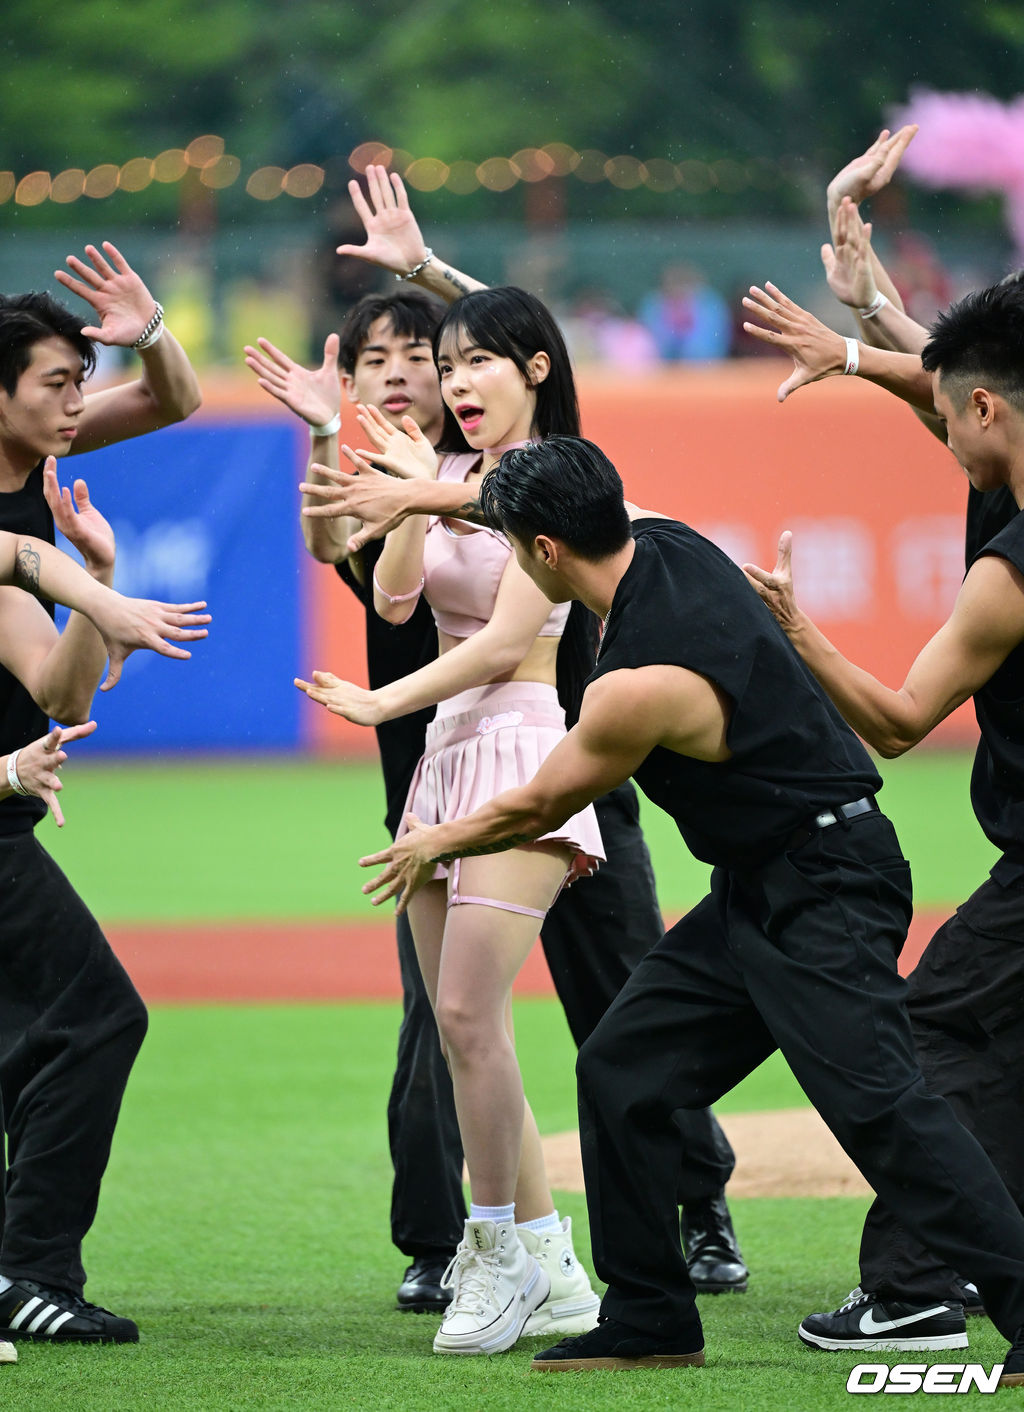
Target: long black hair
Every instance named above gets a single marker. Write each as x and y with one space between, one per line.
512 323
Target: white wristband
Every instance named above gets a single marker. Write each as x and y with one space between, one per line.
12 775
330 428
879 302
852 357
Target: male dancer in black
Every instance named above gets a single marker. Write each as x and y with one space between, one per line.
71 1022
597 930
966 996
698 694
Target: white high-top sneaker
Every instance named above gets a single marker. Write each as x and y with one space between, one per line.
571 1307
496 1285
8 1352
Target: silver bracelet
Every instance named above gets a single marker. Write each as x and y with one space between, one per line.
12 775
152 332
330 428
416 268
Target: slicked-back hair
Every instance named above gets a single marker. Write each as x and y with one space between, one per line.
564 487
979 342
512 323
413 314
25 320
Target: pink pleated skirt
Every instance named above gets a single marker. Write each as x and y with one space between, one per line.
489 739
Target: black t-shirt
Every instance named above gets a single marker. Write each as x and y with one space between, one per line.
683 603
997 780
22 511
988 512
393 652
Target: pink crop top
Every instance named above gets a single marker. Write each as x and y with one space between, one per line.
462 567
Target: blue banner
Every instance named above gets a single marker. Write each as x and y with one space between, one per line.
207 510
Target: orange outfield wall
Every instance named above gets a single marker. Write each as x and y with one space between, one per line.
875 502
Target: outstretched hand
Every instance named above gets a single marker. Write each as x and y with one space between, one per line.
314 394
409 864
38 763
117 294
848 267
393 238
366 494
78 520
776 588
343 698
816 351
404 451
867 174
126 624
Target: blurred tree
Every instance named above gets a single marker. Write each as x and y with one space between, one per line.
780 80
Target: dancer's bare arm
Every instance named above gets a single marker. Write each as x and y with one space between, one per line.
394 241
168 389
818 352
986 624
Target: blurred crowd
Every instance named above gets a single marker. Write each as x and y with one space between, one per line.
686 317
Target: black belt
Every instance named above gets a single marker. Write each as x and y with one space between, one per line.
828 817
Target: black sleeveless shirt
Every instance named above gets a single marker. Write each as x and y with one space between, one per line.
22 511
683 603
997 780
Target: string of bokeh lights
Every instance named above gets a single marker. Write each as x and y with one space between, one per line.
217 169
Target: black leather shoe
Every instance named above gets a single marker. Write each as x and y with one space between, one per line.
421 1291
712 1251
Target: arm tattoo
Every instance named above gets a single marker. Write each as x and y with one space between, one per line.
471 513
514 840
26 569
453 278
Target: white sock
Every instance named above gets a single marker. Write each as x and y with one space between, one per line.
5 1283
542 1223
500 1215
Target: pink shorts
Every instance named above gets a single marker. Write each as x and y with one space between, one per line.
489 739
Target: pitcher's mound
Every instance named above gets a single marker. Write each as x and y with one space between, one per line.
785 1153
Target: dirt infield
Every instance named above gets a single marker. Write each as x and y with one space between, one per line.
291 961
788 1153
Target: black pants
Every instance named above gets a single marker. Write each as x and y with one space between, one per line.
71 1024
593 937
801 955
966 1003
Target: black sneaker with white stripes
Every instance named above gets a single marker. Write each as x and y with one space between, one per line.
865 1322
31 1311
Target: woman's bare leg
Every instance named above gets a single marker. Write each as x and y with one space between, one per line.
483 952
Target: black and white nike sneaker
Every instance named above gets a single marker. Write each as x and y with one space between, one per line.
865 1322
31 1311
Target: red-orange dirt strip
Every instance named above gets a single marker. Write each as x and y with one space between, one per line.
187 963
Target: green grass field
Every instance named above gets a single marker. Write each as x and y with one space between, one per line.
244 1224
244 1219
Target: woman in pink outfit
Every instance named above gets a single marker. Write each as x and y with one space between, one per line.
505 380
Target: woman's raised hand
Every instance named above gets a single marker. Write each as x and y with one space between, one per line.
403 451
